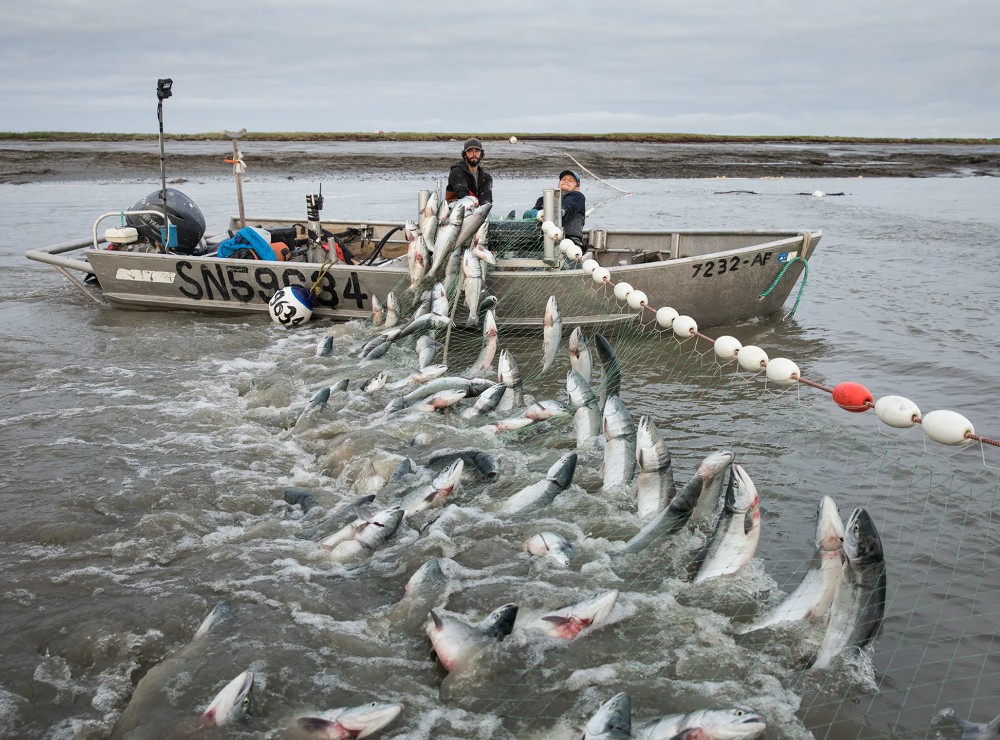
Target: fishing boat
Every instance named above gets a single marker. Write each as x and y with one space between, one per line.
716 277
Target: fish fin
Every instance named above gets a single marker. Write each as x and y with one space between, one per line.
363 515
557 618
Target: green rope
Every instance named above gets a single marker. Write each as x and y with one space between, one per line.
802 287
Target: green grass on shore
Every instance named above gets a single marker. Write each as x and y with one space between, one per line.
662 138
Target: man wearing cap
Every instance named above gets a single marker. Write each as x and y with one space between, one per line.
574 206
468 178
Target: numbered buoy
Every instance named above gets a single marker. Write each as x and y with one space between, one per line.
782 371
290 306
727 347
947 427
897 411
752 358
853 397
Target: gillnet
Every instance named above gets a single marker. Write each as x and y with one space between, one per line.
678 644
674 641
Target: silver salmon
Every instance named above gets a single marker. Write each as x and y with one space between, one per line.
858 607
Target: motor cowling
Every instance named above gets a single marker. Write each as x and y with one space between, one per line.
184 215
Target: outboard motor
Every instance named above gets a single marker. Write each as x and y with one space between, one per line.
184 215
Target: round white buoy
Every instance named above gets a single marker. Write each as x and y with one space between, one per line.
565 244
818 193
622 291
752 358
513 139
637 299
727 347
782 371
897 411
590 265
665 316
600 275
573 251
290 306
548 227
947 427
683 326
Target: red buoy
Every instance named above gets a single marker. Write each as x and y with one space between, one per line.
853 397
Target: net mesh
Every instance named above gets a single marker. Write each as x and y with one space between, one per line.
672 644
932 505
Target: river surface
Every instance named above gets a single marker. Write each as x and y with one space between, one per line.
146 455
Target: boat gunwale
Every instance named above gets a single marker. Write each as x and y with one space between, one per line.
402 270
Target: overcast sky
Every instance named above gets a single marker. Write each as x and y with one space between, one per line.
914 68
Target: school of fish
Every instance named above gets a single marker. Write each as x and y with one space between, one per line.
406 383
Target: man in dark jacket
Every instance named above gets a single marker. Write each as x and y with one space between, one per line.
468 178
574 206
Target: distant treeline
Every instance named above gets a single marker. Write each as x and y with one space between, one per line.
647 138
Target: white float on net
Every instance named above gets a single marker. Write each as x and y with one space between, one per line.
782 371
897 411
637 299
665 316
622 290
727 347
947 427
752 358
684 327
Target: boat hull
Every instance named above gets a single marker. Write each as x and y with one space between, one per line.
714 277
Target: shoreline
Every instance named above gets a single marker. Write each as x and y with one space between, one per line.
23 162
490 138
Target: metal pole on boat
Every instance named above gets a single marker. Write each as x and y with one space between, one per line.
552 208
238 169
163 91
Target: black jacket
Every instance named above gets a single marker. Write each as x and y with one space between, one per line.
461 183
574 214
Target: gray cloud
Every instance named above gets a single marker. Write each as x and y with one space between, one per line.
853 68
